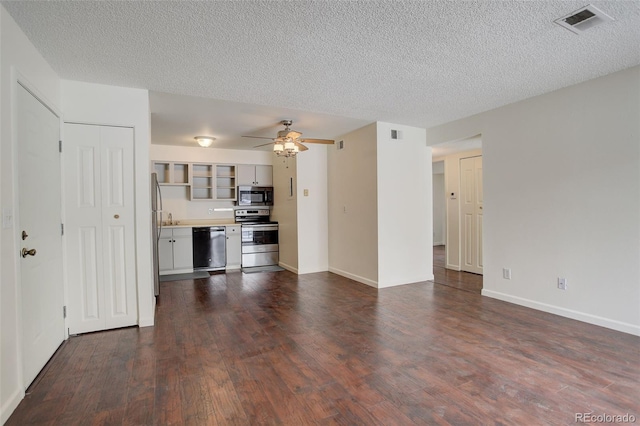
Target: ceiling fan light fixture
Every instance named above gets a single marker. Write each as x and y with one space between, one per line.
293 134
205 141
288 143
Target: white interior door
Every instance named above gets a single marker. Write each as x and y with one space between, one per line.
39 223
471 213
100 227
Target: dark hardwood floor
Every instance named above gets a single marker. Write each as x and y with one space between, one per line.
276 348
457 279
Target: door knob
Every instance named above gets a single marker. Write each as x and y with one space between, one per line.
26 252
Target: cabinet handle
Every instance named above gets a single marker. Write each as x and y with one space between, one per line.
116 216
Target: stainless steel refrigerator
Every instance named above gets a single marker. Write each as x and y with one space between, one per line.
156 226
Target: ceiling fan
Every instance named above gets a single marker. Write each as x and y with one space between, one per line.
288 142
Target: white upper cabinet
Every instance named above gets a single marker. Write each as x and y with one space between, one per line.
255 175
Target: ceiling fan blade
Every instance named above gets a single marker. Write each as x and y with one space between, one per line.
264 144
324 141
300 146
257 137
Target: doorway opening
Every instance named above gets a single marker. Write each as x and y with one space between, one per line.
458 214
460 280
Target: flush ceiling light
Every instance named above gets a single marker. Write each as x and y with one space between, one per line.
205 141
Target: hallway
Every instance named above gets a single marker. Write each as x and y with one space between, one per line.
460 280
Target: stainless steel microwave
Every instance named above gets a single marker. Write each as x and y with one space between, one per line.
255 195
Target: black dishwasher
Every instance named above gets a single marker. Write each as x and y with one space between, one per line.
209 248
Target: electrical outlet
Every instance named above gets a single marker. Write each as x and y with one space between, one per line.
562 283
506 273
210 211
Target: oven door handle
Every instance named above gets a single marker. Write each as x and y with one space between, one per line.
261 227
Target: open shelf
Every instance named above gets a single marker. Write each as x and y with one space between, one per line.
170 173
226 182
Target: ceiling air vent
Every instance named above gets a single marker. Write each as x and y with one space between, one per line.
583 19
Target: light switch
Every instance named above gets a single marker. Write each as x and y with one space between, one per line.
306 192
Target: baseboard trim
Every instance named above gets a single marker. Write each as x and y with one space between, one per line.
288 267
312 271
567 313
9 407
354 277
412 281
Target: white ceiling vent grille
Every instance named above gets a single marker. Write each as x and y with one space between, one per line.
583 19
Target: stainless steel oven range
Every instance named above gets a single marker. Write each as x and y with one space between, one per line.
259 238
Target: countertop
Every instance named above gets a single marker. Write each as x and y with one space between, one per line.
201 222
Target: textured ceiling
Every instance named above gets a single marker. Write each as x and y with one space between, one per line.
419 63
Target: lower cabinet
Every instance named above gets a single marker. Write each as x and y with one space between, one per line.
234 247
175 251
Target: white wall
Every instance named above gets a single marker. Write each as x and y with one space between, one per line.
380 225
109 105
439 209
285 210
312 210
404 203
303 220
353 206
562 199
176 198
452 205
197 154
19 60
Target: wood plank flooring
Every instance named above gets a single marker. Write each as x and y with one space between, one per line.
319 349
457 279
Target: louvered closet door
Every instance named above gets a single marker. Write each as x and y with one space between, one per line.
100 227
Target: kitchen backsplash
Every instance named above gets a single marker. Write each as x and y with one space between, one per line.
175 200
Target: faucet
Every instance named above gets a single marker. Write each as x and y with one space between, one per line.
170 219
